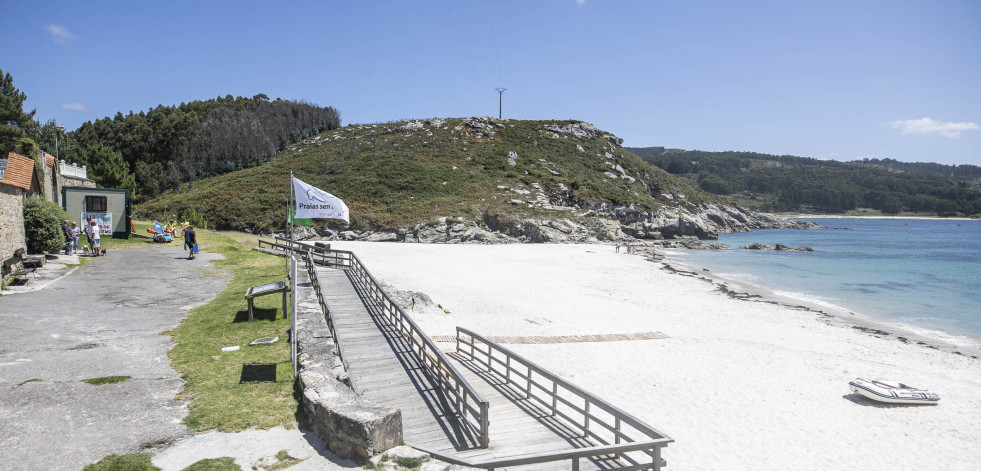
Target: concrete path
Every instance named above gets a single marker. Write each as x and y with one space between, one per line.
103 319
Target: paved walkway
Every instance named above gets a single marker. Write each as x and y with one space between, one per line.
102 319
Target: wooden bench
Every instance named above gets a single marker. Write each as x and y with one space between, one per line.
271 288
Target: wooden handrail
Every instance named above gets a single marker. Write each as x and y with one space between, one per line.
315 282
471 407
521 373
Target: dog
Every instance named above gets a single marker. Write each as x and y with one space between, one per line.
103 251
85 250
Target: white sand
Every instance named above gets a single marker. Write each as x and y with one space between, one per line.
738 385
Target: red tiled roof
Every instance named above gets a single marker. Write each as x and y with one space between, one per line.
20 171
49 160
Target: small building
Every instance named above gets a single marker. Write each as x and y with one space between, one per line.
19 178
110 207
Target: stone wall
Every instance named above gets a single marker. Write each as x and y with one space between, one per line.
352 426
75 181
11 222
49 183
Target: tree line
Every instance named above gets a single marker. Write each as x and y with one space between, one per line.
808 184
170 145
149 152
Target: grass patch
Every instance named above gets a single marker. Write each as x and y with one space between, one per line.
222 396
410 463
141 462
32 380
283 461
111 243
214 464
130 462
107 380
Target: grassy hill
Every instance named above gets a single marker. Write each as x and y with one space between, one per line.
397 175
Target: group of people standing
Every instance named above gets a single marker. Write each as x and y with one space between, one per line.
91 230
72 234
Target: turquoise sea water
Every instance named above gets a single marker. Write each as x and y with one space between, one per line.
925 274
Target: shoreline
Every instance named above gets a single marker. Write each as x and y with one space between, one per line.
840 216
831 313
722 366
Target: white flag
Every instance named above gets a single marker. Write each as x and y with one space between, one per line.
312 202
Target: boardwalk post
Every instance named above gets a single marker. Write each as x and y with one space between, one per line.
484 424
585 428
575 464
555 397
616 434
528 387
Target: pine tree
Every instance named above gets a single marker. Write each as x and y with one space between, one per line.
109 169
13 120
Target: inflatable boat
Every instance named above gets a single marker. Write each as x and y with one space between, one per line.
886 390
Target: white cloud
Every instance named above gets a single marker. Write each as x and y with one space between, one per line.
78 106
60 34
931 126
580 2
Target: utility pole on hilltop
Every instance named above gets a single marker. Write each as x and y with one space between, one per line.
500 98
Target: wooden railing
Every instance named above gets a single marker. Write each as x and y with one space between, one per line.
471 408
325 257
634 443
315 282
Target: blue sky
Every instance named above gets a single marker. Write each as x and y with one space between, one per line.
828 79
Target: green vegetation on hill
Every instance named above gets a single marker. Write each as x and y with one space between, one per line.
161 148
788 183
400 174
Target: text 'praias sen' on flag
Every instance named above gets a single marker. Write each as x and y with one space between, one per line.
312 202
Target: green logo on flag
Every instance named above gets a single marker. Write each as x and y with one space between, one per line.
298 221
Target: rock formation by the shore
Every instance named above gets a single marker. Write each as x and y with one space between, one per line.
602 224
778 247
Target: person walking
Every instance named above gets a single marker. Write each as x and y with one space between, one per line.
190 240
94 237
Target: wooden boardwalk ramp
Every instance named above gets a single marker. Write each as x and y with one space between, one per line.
528 419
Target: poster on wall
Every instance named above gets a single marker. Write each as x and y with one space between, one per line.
104 220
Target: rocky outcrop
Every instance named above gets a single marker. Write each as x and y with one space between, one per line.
778 247
585 224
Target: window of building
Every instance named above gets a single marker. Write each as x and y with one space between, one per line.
95 203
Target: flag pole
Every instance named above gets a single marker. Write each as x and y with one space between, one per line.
289 213
292 276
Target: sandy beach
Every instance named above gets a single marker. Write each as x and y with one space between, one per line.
738 384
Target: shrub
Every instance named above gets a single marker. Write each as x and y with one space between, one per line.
130 462
215 464
196 220
410 463
42 225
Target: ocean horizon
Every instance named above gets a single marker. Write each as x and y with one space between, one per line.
922 275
